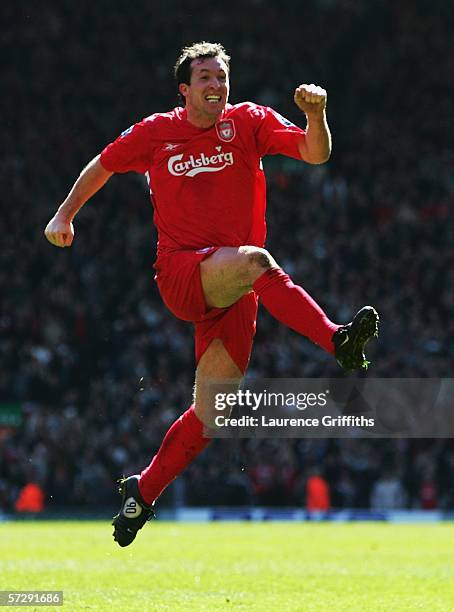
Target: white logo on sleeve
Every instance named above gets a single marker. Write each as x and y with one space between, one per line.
126 132
132 509
285 122
178 166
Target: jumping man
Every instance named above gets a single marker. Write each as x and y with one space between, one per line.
207 186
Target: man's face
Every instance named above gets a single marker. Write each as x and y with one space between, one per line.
208 91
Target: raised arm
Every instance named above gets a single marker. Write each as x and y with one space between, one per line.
60 230
315 148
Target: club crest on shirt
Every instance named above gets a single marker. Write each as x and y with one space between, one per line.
226 130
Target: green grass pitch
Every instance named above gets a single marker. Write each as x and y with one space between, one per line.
327 567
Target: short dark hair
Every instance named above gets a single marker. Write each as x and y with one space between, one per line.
200 50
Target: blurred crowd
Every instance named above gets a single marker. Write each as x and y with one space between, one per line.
95 363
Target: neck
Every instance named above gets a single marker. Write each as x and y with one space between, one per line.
201 120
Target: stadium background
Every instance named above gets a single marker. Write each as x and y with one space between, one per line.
93 366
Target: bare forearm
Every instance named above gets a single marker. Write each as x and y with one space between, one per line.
316 147
60 230
91 179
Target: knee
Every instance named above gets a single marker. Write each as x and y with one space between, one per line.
256 262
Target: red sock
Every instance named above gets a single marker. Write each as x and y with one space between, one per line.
291 305
181 445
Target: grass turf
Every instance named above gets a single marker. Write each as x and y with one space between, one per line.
241 566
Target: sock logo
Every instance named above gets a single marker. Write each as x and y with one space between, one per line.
132 509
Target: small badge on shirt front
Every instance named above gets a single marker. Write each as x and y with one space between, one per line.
226 130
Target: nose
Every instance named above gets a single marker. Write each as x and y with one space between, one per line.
215 82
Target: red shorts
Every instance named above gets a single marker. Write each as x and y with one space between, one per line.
180 286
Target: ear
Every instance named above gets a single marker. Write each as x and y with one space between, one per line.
183 89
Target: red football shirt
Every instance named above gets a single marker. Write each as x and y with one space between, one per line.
207 185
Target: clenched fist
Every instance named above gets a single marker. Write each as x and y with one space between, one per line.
59 231
311 99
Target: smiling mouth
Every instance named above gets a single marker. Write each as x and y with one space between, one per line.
213 99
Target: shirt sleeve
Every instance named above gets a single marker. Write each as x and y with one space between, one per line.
275 134
131 151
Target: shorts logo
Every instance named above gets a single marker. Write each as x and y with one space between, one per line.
226 130
192 166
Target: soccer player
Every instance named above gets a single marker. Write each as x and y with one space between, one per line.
207 186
